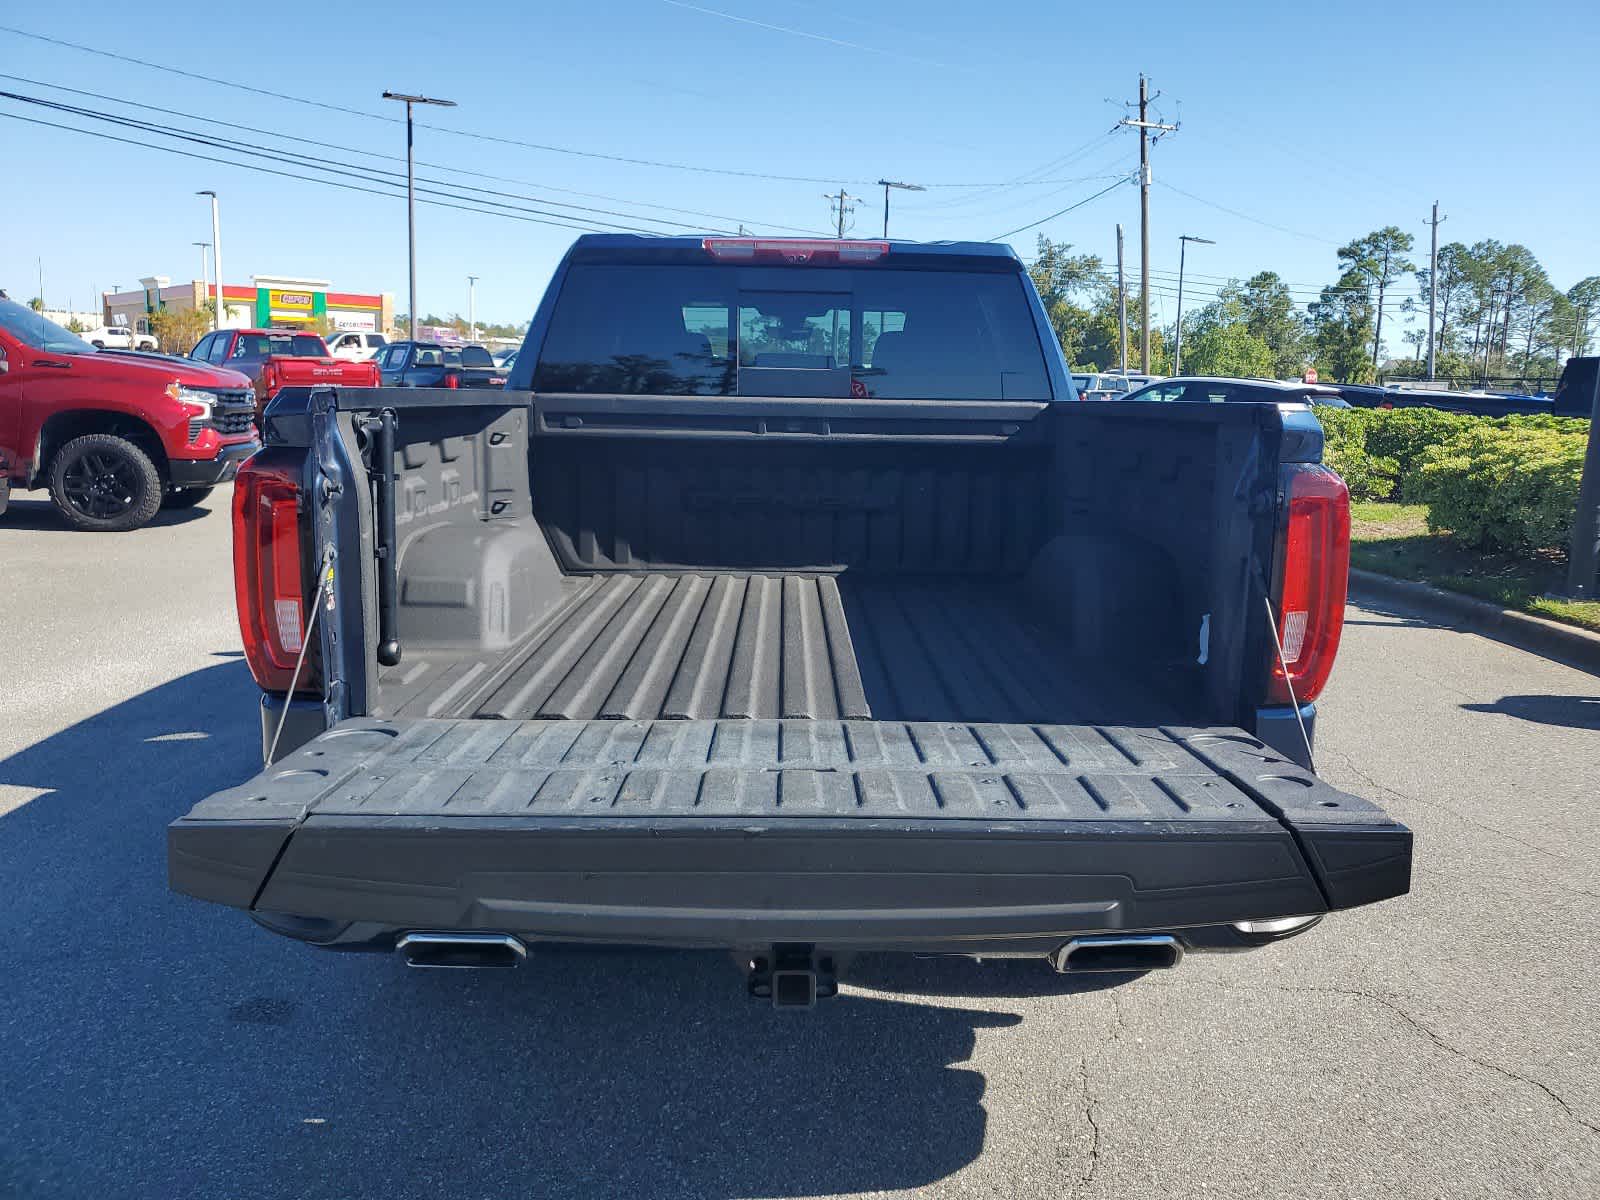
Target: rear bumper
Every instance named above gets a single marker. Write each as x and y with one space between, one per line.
208 472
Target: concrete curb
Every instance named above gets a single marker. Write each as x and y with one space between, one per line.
1550 639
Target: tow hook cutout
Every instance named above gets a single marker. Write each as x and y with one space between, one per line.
792 976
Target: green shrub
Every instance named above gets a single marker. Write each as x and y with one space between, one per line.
1578 425
1500 485
1368 476
1405 435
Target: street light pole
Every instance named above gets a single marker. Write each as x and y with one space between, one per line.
411 198
472 308
1177 349
205 269
886 184
216 254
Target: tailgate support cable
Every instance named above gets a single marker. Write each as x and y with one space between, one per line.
1288 683
324 582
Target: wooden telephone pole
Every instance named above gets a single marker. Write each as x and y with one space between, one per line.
1144 125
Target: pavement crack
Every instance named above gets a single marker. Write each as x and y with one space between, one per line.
1090 1104
1420 1026
1437 806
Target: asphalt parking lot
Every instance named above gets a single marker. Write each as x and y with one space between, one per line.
1441 1045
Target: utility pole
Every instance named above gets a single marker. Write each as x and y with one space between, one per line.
411 198
842 207
1383 283
1144 125
216 255
886 184
1122 305
1433 286
472 308
1183 247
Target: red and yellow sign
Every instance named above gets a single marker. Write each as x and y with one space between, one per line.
290 305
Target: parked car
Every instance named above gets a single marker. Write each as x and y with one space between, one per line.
739 633
429 365
505 360
114 436
1361 395
355 345
119 337
274 358
1101 386
1221 390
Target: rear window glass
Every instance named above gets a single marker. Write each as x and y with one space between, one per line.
475 356
792 331
253 347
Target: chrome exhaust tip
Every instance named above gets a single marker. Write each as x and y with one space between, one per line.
461 951
1116 952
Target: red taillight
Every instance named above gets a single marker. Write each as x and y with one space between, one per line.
269 379
268 580
451 380
794 250
1316 572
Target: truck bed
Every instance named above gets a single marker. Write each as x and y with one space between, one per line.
702 647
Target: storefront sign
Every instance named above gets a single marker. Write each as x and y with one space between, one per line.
290 306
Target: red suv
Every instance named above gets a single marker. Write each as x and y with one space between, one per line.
113 434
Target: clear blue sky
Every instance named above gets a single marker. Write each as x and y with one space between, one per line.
1324 121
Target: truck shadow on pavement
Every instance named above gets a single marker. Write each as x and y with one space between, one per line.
42 515
156 1046
1571 712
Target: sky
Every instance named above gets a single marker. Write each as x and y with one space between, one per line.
1301 127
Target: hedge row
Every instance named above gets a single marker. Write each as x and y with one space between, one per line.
1503 483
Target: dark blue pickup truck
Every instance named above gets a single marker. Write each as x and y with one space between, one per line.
788 602
1574 397
430 365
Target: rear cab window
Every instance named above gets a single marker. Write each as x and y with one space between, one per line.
255 347
822 331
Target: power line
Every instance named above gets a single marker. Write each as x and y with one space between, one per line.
399 158
349 187
1233 212
315 162
445 129
1027 178
452 131
807 34
1061 212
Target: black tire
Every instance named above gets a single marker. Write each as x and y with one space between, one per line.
104 483
185 497
98 344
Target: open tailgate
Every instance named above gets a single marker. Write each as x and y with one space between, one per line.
740 832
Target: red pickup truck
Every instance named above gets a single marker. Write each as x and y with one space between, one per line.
113 435
276 358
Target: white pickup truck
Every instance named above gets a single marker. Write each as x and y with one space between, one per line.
119 337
